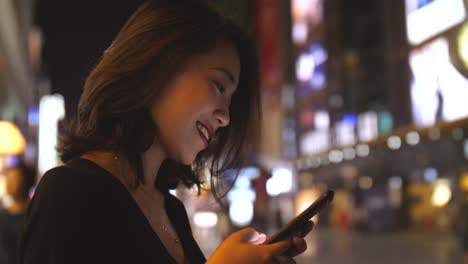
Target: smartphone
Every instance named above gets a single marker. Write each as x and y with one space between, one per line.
296 224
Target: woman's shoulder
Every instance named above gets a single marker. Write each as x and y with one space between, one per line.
77 180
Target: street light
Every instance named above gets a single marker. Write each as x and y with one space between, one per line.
12 141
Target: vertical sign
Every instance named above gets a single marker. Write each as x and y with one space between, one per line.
268 20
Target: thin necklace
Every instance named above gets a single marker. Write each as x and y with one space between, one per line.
161 226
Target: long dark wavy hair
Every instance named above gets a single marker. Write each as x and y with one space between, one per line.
150 50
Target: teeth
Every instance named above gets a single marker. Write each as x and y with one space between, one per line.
204 131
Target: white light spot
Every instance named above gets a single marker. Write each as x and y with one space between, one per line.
394 142
335 156
349 153
205 219
412 138
362 150
241 213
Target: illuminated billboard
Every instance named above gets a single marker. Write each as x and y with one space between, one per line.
307 21
317 139
307 17
462 45
314 142
427 18
310 69
438 89
310 59
439 76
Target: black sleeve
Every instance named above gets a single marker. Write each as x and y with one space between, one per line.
66 222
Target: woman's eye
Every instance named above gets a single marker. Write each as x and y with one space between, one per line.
219 87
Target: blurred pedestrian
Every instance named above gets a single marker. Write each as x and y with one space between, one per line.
18 182
175 93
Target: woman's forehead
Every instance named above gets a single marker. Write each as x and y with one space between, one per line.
223 57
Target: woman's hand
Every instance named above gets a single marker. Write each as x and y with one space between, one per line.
245 247
298 243
240 247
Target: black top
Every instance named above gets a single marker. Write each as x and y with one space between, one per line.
80 213
10 229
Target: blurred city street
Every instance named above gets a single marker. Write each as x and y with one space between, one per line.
363 98
333 246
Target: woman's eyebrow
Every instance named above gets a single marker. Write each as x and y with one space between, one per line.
226 72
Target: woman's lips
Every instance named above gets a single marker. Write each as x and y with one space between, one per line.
204 133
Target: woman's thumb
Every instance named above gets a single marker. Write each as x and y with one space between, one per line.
246 234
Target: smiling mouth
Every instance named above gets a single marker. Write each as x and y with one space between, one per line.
204 134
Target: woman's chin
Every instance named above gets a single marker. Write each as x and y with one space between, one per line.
185 160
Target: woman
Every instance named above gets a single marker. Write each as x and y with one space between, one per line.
175 92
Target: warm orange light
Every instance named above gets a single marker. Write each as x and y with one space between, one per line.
11 140
442 193
464 182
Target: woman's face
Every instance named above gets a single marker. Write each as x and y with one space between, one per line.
196 103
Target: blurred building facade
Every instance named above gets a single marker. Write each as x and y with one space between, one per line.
378 129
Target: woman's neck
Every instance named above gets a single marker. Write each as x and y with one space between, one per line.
151 162
119 166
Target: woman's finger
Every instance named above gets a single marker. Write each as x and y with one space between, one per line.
297 247
258 239
275 249
306 229
245 234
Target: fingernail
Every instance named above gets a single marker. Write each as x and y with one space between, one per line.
254 237
261 239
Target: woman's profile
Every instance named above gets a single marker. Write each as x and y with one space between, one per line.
175 93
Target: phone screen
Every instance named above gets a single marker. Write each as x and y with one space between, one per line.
297 223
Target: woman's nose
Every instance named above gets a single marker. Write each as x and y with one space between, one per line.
222 117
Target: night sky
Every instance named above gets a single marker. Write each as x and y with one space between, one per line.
75 35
